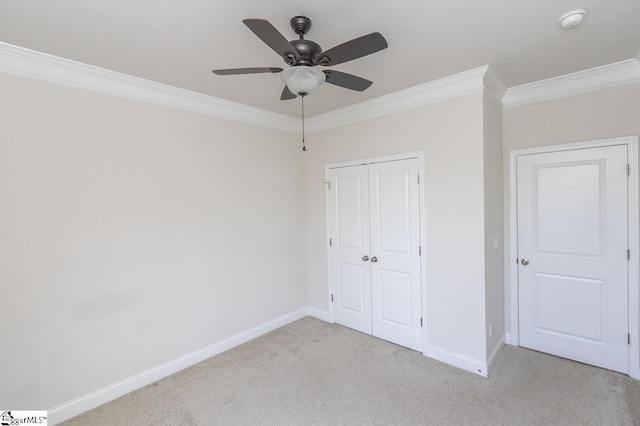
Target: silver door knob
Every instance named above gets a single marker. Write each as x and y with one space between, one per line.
525 261
374 259
365 257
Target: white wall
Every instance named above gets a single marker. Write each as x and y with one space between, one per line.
601 114
450 133
493 223
126 228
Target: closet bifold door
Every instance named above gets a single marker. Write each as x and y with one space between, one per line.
394 201
374 224
350 266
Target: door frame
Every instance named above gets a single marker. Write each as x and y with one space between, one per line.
633 238
421 218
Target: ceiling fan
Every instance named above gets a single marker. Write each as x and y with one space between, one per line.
303 55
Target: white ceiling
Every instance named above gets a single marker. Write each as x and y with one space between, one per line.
180 42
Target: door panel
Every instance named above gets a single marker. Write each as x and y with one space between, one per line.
391 203
395 290
569 306
395 239
572 228
570 225
349 222
351 287
349 211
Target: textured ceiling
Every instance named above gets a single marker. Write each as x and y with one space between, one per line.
180 42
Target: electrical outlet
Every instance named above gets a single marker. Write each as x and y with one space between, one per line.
496 243
220 320
490 330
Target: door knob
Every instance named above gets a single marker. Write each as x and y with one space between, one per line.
374 259
365 257
525 261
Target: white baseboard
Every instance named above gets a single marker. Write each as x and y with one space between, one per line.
457 360
494 355
109 393
507 339
318 313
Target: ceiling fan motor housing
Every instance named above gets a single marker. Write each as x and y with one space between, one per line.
308 50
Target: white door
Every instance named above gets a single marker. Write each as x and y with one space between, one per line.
395 261
350 268
375 238
572 253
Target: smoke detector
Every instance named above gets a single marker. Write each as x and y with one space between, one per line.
572 19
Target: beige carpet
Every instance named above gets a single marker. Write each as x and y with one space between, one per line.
313 373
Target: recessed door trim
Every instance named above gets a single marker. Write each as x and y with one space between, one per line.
423 261
633 235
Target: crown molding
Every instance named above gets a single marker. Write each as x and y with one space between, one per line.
616 74
29 63
453 86
493 86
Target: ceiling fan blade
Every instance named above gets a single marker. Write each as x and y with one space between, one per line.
234 71
348 81
353 49
287 94
272 37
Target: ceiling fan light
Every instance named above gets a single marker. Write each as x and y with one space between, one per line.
302 80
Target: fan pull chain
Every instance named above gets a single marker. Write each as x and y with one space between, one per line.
304 148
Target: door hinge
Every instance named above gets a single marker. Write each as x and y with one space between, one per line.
628 169
628 254
328 185
332 297
629 338
330 242
420 321
419 250
418 179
